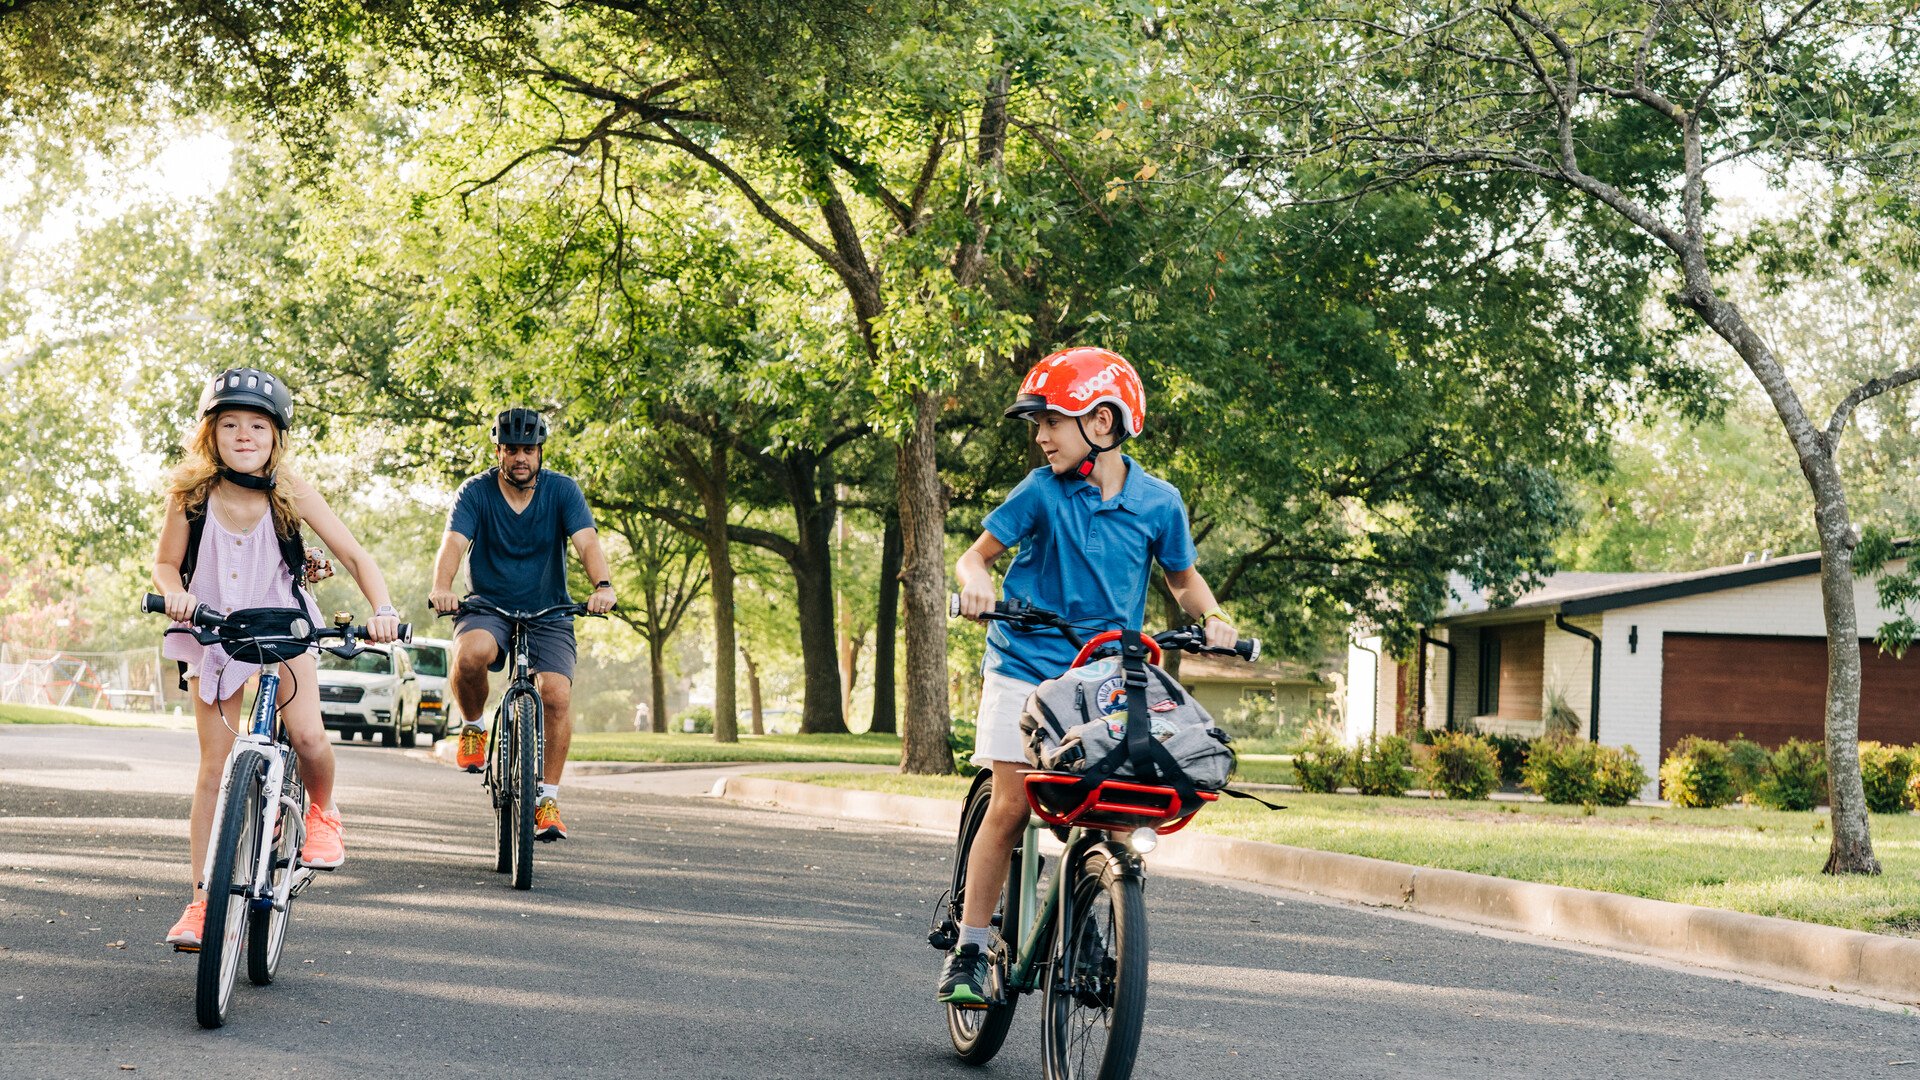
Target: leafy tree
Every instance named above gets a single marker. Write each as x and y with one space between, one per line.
1638 110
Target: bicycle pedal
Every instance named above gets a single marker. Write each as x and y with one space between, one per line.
186 948
475 769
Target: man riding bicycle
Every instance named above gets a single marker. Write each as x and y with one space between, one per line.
515 520
1088 524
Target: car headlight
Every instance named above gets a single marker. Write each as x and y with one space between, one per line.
379 693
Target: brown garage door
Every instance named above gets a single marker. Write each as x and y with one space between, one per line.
1771 689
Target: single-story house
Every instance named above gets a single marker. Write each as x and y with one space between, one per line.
1640 660
1222 683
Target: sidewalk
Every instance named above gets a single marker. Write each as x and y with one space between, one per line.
1804 954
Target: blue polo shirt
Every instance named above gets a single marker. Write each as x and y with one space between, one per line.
1082 558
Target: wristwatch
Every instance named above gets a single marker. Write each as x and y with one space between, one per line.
1216 612
603 585
385 609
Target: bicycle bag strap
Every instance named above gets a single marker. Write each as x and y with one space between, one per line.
1151 761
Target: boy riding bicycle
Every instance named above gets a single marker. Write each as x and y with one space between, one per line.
1086 525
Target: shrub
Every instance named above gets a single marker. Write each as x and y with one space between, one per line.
1513 755
1557 772
1617 774
1748 761
1796 777
1379 765
1560 718
701 717
1463 766
1698 773
961 734
1321 764
1885 771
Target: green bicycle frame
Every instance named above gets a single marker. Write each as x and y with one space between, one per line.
1035 918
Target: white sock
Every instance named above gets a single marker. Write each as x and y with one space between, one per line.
475 725
550 791
976 935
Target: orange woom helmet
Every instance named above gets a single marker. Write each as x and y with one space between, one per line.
1074 382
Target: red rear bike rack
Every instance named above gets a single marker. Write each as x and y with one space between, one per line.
1113 804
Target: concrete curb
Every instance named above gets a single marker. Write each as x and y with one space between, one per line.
1805 954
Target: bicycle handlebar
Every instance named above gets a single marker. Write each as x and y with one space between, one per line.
210 621
475 606
1191 639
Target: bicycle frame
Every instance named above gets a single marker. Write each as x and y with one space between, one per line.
521 678
1035 948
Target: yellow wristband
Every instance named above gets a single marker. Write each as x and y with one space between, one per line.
1216 612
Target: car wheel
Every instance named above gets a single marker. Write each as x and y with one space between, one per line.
391 736
412 736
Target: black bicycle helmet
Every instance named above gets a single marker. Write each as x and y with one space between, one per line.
249 388
519 427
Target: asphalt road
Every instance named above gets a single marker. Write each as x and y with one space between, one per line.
681 937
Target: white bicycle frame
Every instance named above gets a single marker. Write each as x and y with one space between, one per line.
260 738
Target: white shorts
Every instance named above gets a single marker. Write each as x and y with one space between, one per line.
998 738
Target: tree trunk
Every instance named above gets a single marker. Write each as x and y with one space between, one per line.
753 692
1170 614
713 499
813 587
885 625
923 512
657 667
1851 849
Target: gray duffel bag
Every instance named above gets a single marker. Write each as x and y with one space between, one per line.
1079 720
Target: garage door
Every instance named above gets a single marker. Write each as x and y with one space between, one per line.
1771 689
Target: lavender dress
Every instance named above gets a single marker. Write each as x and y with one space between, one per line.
235 571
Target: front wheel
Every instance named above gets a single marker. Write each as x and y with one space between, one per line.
977 1034
524 714
235 854
1096 999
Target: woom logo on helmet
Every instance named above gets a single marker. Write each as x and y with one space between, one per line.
1101 380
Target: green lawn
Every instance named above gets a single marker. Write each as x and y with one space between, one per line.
645 746
1760 861
36 714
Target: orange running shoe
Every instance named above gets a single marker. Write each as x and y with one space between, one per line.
185 935
546 821
473 748
324 849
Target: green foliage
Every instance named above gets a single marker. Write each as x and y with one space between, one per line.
1748 761
962 732
1512 750
700 716
1463 766
1698 773
1323 761
1885 771
1796 777
1378 765
1898 592
1572 771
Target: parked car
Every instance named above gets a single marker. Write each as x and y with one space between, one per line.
375 691
431 658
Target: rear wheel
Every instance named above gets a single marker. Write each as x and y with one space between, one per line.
267 930
978 1034
524 713
235 853
1096 999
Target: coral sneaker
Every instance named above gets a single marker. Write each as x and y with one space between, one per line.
324 849
473 748
185 935
546 821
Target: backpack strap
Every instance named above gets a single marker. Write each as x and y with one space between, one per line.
1151 761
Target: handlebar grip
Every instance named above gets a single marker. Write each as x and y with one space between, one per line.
1249 649
953 605
154 604
406 633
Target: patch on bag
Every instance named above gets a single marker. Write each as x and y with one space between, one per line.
1112 696
1161 729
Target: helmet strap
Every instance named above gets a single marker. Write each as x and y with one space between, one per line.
517 485
247 480
1084 470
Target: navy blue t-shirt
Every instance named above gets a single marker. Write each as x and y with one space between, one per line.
519 561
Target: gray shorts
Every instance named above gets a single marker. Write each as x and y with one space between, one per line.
550 645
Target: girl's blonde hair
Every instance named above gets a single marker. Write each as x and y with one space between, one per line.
191 482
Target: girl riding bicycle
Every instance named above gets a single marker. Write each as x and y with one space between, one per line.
242 512
1086 524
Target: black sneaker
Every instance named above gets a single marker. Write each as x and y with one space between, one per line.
963 981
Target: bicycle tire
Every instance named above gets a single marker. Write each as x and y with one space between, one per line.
500 784
267 930
525 716
978 1034
234 856
1096 990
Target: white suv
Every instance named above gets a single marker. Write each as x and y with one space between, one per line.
430 658
375 691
